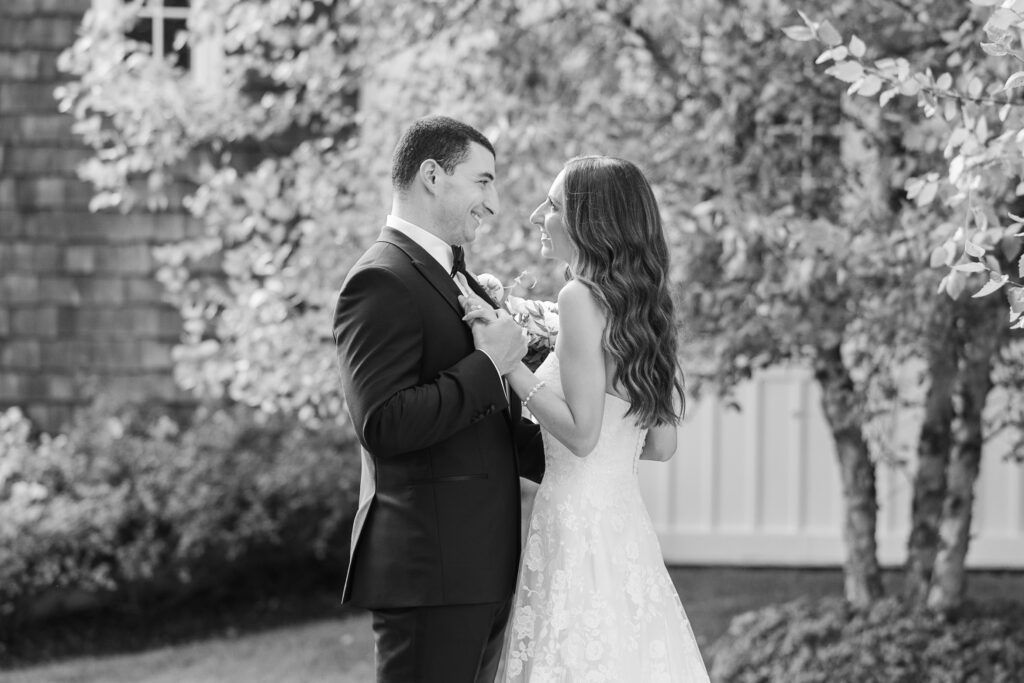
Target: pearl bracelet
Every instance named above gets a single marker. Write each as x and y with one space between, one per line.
533 391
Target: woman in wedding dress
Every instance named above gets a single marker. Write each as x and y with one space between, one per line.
594 602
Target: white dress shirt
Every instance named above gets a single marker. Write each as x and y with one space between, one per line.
431 243
441 251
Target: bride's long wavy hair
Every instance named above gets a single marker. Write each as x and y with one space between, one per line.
614 223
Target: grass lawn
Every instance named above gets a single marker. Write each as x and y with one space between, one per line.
307 640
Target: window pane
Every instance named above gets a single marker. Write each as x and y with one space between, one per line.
142 31
171 29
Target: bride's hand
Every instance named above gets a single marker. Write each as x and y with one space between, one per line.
476 308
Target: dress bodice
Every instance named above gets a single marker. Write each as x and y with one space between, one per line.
618 447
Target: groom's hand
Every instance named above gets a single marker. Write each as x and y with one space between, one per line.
501 339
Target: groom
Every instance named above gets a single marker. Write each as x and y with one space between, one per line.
435 542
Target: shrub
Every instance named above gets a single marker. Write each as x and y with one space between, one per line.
135 506
809 641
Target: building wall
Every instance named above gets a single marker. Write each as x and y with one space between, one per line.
761 486
80 311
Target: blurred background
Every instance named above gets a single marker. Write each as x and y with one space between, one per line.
183 186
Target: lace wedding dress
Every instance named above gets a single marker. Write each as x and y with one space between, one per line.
594 602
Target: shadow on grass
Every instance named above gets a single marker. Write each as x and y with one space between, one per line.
712 596
247 605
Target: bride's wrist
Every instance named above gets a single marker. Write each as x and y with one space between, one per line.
521 379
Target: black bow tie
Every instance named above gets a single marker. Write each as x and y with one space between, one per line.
459 262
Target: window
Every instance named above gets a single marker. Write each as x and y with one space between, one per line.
163 24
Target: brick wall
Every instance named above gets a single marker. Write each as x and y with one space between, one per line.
80 312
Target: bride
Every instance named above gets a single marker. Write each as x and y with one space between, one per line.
594 601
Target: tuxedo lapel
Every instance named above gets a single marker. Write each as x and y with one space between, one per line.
427 265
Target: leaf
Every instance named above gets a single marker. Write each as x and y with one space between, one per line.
975 87
958 136
955 284
928 193
884 98
828 34
848 72
939 256
1020 267
1014 81
990 286
1015 217
985 3
801 33
1015 295
1001 19
885 64
971 267
956 168
857 47
870 86
973 250
994 49
910 87
944 81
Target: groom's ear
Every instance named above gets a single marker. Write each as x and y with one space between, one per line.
429 175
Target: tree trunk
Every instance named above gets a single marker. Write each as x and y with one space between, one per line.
933 449
862 578
974 382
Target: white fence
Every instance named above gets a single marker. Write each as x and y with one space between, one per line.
761 487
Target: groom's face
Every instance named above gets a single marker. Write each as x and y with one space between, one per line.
468 196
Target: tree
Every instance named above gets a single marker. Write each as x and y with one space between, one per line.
973 118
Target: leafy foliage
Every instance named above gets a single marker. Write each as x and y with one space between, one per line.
798 233
827 641
979 122
129 503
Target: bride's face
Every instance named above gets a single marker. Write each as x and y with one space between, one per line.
549 217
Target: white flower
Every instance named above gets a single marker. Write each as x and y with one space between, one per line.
657 649
595 677
594 650
591 619
515 666
492 286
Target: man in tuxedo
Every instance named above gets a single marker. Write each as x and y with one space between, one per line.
436 539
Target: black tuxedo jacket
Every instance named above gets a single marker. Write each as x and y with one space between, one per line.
439 514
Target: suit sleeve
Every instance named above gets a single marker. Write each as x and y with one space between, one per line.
379 330
529 450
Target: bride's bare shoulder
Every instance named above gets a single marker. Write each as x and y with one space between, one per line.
579 298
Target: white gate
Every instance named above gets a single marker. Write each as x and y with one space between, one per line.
761 487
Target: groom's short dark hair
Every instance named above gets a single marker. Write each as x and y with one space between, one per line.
440 138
